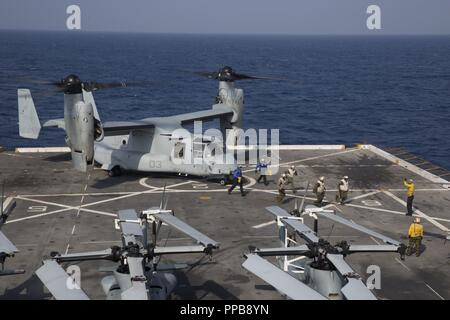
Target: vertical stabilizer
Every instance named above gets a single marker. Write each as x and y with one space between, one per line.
29 125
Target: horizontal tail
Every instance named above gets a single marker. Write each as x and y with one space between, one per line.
29 125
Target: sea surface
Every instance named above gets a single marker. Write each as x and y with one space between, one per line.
389 91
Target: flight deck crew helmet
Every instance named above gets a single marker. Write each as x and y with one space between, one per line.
322 179
346 177
416 220
284 175
292 167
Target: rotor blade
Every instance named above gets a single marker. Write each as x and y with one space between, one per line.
279 279
6 246
84 256
187 229
210 75
162 198
304 231
130 223
240 76
355 289
178 250
358 227
38 81
373 248
304 198
138 290
289 251
94 86
57 281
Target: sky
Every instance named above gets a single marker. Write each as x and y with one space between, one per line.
231 16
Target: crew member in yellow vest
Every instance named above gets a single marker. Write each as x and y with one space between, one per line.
415 235
409 184
341 196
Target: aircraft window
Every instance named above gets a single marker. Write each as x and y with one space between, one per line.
124 142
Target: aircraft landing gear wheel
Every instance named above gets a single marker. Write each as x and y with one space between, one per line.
222 182
115 171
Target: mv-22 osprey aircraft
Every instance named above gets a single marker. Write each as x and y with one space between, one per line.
148 145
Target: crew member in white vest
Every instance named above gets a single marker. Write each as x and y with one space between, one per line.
319 190
290 174
343 188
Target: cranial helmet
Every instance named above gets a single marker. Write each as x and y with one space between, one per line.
346 177
417 220
322 178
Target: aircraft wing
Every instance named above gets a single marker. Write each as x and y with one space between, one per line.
279 279
58 123
56 281
217 111
116 128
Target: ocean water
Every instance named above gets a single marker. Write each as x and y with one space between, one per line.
389 91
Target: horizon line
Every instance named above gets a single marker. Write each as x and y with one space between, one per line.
371 34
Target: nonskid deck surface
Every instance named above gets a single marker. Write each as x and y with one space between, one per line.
49 218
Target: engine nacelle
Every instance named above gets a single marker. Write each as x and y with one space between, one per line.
99 133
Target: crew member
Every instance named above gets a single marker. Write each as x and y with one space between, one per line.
290 177
415 235
261 167
409 184
281 187
343 188
237 180
319 190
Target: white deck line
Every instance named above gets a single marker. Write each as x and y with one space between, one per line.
291 147
43 150
419 213
405 164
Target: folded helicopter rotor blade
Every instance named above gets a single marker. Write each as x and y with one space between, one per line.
302 205
354 289
358 227
280 280
85 256
138 290
58 282
373 248
303 230
301 250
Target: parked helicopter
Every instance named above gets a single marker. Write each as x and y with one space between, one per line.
316 270
7 248
139 275
159 144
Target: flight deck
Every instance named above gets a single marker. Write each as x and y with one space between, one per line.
63 210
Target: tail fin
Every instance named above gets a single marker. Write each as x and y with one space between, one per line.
29 125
